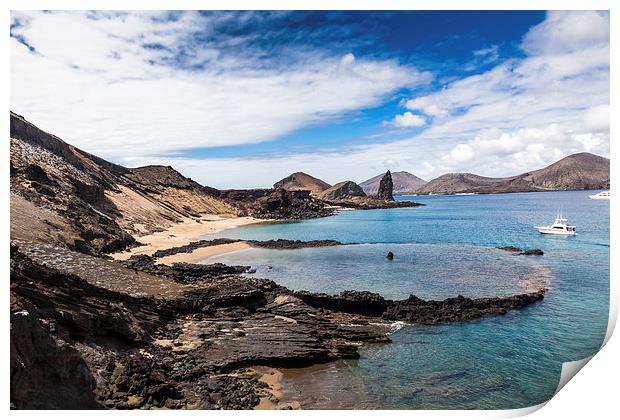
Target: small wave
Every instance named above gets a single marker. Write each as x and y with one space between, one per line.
396 326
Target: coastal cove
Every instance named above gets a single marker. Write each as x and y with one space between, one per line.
508 361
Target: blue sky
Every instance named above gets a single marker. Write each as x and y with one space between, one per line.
241 99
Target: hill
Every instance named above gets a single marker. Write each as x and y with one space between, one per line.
65 196
404 182
575 172
581 171
300 181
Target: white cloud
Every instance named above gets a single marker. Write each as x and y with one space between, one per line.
528 112
566 32
597 118
522 150
520 115
95 84
409 120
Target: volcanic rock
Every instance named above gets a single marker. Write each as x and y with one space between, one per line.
386 188
342 190
404 183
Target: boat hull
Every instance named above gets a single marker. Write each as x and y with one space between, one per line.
549 231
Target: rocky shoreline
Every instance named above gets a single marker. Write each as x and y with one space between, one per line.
188 342
270 244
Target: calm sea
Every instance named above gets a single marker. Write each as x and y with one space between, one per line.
441 250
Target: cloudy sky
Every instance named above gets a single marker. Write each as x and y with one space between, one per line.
242 99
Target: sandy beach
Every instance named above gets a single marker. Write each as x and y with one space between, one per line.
188 231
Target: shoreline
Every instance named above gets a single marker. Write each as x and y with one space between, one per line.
185 232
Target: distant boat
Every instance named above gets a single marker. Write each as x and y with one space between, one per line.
603 195
559 227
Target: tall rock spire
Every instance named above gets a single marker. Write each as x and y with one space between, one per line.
386 187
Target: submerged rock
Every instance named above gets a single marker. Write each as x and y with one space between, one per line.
510 248
534 251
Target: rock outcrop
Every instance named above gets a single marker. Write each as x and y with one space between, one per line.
419 311
341 191
349 194
386 188
404 183
276 204
519 251
270 244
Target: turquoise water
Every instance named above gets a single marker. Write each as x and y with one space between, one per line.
446 248
430 271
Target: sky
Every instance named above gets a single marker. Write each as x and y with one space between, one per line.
241 99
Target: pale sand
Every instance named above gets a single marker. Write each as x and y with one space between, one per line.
270 400
202 254
189 230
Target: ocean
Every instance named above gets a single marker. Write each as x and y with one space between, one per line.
443 249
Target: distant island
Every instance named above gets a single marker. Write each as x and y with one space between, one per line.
580 171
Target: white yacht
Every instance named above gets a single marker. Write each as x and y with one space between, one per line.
559 227
603 195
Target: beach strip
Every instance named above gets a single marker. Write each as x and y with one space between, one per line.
191 229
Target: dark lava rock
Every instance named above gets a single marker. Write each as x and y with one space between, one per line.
46 373
386 188
293 244
509 248
107 348
350 301
271 244
416 310
419 311
276 204
535 251
193 246
390 256
519 251
345 189
184 273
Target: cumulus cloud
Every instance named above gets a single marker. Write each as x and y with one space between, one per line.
566 32
409 120
528 111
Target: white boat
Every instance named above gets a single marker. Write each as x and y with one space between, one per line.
603 195
559 227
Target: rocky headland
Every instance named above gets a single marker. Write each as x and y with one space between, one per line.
345 194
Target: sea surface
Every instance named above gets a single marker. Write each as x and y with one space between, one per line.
441 250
